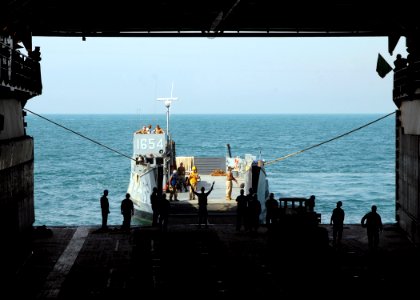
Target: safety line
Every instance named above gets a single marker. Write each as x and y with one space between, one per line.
79 134
330 140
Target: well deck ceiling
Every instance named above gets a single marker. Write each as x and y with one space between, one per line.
210 18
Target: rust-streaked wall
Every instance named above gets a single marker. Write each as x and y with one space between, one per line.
406 95
16 174
18 83
16 185
408 213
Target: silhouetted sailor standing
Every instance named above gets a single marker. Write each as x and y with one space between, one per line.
104 209
373 223
155 201
127 210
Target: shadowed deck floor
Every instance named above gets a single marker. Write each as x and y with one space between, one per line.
85 263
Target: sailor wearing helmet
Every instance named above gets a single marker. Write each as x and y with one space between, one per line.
173 181
194 178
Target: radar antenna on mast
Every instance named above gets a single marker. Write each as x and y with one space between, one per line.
168 102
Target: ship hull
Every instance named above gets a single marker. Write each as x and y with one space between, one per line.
140 188
256 178
150 161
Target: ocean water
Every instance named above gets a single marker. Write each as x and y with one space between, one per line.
358 169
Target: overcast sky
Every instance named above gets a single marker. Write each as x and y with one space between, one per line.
215 76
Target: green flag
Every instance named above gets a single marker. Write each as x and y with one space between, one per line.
382 66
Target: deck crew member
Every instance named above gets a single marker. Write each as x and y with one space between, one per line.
181 176
104 209
202 205
272 208
337 220
241 207
254 211
141 131
158 130
149 129
373 223
173 182
229 179
193 179
155 202
127 210
164 213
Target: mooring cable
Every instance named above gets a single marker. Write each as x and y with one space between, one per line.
327 141
79 134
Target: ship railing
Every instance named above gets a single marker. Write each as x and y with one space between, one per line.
406 83
148 161
18 71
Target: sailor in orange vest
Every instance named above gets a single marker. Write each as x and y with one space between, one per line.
194 178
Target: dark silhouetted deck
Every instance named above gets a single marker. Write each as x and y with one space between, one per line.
85 263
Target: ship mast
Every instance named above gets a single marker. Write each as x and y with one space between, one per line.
168 101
